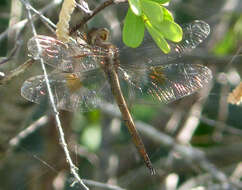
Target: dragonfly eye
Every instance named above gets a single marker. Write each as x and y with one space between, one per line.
97 36
104 34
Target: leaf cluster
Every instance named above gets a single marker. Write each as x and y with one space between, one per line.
152 15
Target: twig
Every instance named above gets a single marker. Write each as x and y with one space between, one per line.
101 185
73 168
83 6
210 122
40 14
30 129
217 124
191 123
36 125
190 153
223 112
16 72
11 54
15 16
94 12
203 179
82 151
22 23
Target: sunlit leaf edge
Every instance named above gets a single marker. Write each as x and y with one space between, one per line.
135 7
167 15
161 1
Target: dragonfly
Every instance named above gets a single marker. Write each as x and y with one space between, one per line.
92 70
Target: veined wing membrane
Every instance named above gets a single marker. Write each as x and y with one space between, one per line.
194 33
166 83
162 76
68 57
71 91
149 72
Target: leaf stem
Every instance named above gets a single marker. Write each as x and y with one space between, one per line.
95 11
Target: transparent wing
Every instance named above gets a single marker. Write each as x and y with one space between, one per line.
68 57
165 83
149 72
71 91
194 33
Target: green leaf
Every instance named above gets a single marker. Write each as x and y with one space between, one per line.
158 37
135 6
153 11
133 30
160 1
167 14
170 30
91 137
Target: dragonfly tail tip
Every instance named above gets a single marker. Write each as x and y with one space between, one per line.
152 171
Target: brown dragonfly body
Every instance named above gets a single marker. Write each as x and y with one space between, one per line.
109 65
86 66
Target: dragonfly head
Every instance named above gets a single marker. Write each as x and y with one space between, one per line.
101 37
98 36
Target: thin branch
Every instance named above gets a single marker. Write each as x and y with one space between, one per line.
15 141
12 53
27 131
23 22
40 14
20 24
189 153
15 16
73 168
216 124
101 185
83 6
35 126
94 12
82 151
16 72
213 123
193 117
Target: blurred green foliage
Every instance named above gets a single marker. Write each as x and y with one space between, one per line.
91 137
231 39
88 126
3 2
143 112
